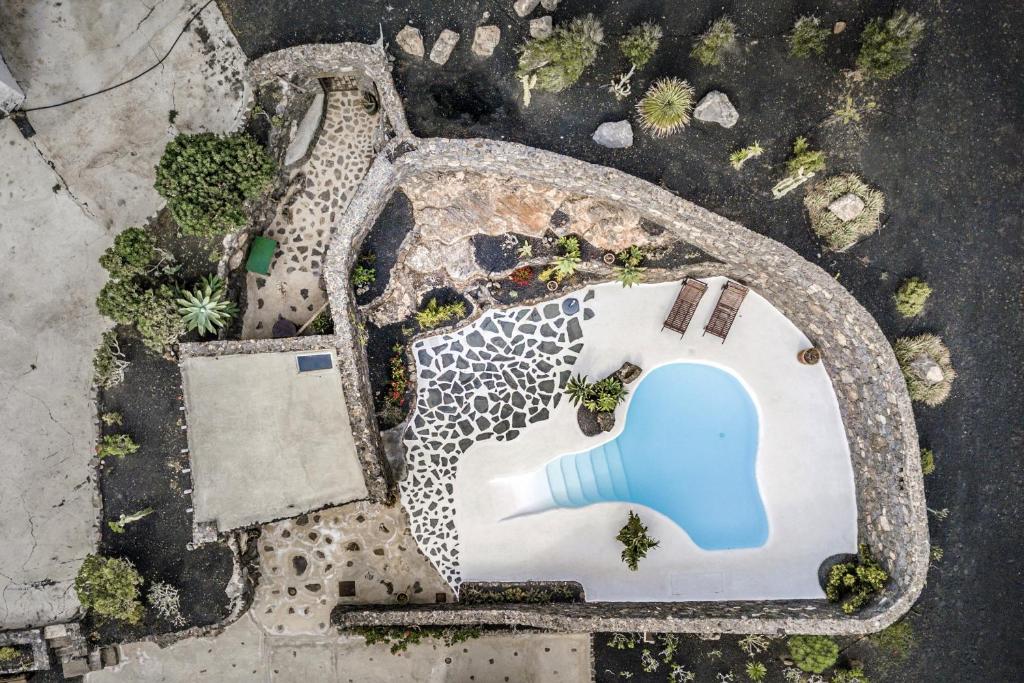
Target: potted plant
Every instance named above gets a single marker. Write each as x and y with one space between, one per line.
811 356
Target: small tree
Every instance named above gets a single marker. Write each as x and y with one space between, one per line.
855 583
109 586
116 446
813 654
554 63
709 48
636 541
207 178
887 45
808 37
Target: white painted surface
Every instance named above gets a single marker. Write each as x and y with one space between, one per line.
10 92
803 468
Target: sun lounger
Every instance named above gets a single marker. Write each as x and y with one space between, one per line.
726 309
686 303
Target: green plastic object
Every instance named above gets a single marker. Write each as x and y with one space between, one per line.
260 255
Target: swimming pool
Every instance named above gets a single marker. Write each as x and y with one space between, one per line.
688 450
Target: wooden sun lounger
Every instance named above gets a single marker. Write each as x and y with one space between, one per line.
726 309
686 303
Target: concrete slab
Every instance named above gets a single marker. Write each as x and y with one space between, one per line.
243 653
105 147
266 440
49 329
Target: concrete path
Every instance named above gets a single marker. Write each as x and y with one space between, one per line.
244 653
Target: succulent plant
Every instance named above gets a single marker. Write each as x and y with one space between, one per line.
207 308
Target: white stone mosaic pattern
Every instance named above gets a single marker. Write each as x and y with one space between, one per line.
489 380
360 553
321 189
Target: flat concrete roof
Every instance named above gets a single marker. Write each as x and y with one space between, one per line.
266 440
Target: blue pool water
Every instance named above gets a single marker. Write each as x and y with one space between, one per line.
688 450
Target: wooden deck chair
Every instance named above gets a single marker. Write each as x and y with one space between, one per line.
686 303
726 309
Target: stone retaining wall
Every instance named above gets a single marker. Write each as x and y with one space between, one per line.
869 387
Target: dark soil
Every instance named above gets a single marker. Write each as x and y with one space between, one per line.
383 241
150 400
943 144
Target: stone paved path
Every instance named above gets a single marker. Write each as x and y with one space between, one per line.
321 190
356 553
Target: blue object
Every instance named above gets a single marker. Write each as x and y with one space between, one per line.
315 361
571 306
688 450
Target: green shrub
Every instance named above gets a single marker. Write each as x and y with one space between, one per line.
207 309
635 540
600 397
756 671
363 275
433 314
630 272
207 178
112 419
853 584
108 363
109 587
854 675
908 349
157 319
9 655
666 107
559 60
133 251
709 48
400 638
566 263
116 446
813 654
322 323
911 297
887 45
837 233
741 156
927 461
640 43
808 37
896 640
804 158
119 300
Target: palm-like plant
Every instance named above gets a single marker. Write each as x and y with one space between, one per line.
577 389
666 106
207 308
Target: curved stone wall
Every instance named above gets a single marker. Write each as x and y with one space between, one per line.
869 386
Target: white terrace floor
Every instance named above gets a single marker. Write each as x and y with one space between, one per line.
803 467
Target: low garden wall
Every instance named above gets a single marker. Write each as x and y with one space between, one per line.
869 386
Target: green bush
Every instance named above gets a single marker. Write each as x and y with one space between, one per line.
363 275
635 540
896 640
116 446
157 319
854 675
207 178
854 583
804 158
741 156
112 419
927 461
666 107
640 43
207 309
108 364
907 349
322 323
813 654
559 60
837 233
709 48
109 586
630 272
756 671
9 655
887 45
433 314
808 37
911 297
133 251
400 638
119 300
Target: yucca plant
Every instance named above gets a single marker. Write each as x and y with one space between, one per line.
666 107
207 308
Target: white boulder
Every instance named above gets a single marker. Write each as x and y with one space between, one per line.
524 7
927 370
715 107
614 134
485 40
847 207
541 27
411 41
443 47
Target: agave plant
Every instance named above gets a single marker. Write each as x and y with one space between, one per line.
666 106
207 308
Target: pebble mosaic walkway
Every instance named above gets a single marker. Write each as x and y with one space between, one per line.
489 380
320 192
358 553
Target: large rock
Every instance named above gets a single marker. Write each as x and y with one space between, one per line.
411 41
550 5
485 40
614 134
628 373
443 47
927 370
524 7
715 107
847 207
541 27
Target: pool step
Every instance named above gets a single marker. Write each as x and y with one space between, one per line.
591 477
